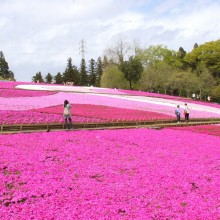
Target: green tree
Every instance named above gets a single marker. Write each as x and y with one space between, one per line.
155 54
190 82
215 93
5 73
195 46
152 55
92 72
83 73
112 77
99 71
180 62
58 78
164 72
172 83
132 70
48 78
206 81
182 53
207 54
149 79
38 78
71 73
179 82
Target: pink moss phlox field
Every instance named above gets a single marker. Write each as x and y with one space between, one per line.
25 103
114 107
35 117
10 93
178 98
108 113
205 129
108 91
110 174
8 85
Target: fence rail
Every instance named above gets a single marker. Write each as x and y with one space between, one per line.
155 124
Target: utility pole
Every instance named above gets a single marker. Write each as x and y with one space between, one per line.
82 48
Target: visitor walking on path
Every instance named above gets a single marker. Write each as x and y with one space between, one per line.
67 115
186 113
178 113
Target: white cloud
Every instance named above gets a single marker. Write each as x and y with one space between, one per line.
41 35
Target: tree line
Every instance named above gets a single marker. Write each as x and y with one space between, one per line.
155 69
165 71
83 76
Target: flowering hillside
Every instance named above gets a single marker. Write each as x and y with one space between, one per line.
106 174
110 174
41 103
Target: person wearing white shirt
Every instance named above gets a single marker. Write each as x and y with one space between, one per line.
186 113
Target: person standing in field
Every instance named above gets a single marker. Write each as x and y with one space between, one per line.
186 113
178 113
67 115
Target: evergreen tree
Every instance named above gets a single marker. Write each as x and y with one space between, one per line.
132 70
92 72
99 71
38 78
48 78
181 64
71 73
195 46
83 73
58 78
182 52
5 73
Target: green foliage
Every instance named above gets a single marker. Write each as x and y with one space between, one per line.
207 54
37 78
83 74
99 71
155 68
48 78
132 70
92 72
154 55
190 82
112 77
58 78
149 79
71 73
155 77
195 46
5 73
182 53
215 94
206 80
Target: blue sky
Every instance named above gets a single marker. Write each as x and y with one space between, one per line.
39 35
